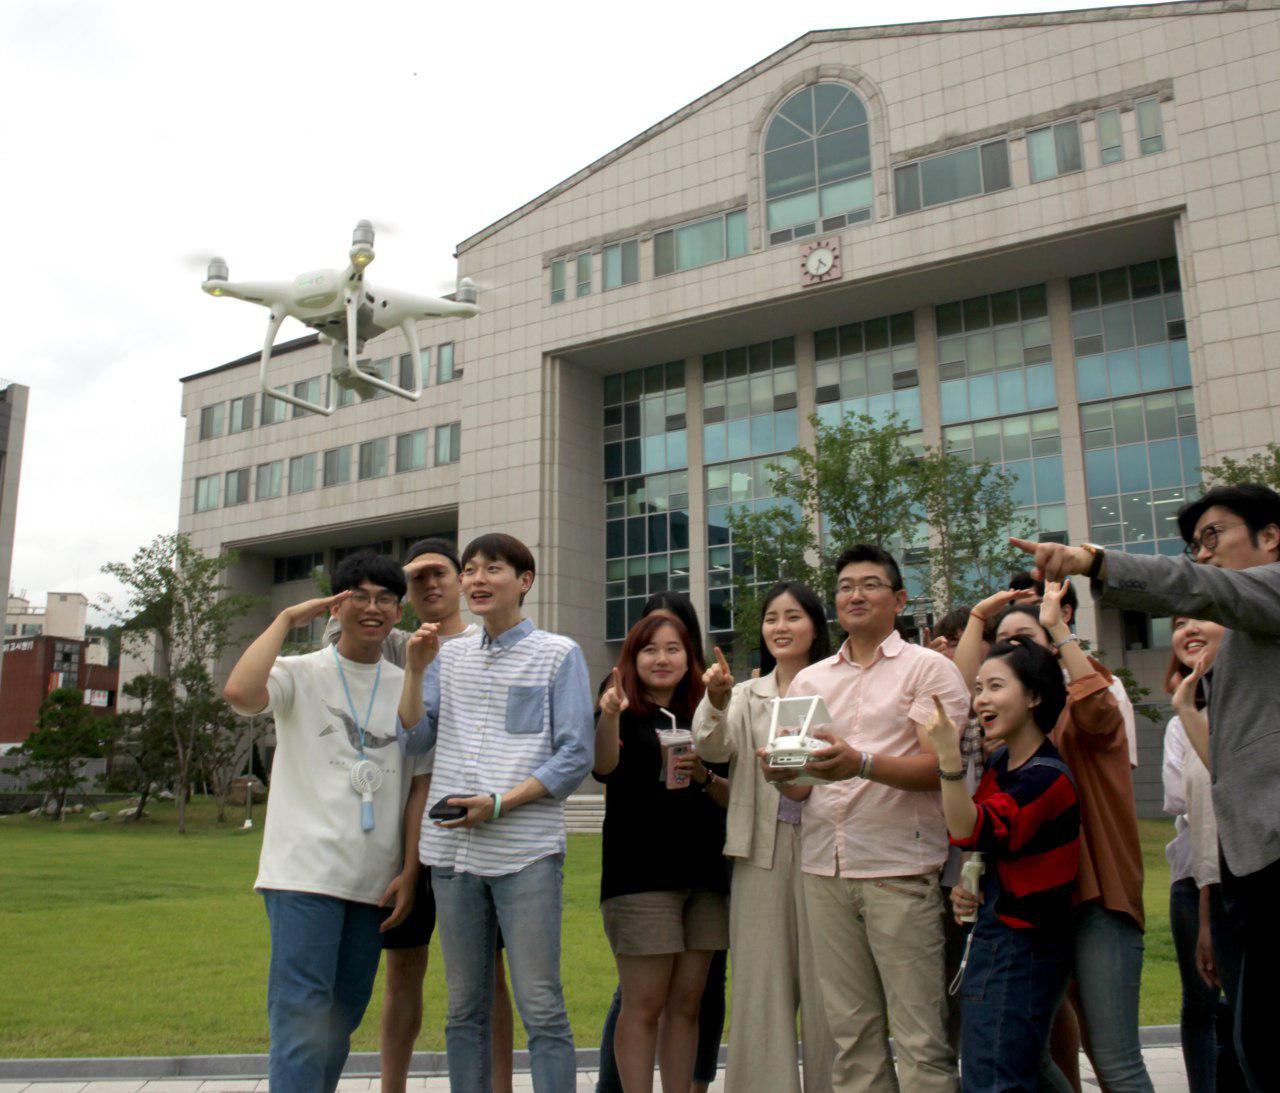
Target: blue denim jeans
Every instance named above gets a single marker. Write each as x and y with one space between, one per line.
324 957
1200 1002
469 910
1108 962
1012 983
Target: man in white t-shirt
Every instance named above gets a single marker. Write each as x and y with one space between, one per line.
333 848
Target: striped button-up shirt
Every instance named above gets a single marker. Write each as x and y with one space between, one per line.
497 712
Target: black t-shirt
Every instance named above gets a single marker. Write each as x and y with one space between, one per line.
657 839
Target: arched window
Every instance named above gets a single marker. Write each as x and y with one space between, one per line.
817 163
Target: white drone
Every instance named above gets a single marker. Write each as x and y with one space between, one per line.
345 312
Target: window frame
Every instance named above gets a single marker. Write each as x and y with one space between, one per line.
370 446
1052 130
620 248
204 483
1158 135
242 496
278 464
1118 147
582 287
296 461
271 400
324 466
401 465
917 164
213 420
673 234
451 434
557 268
454 371
246 404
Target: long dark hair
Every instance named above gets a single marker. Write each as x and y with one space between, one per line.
1039 673
812 606
688 692
682 607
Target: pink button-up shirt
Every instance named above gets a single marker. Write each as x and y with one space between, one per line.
862 828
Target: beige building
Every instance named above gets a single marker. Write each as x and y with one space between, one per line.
13 425
64 615
1048 240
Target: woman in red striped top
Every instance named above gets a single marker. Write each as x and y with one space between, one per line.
1025 819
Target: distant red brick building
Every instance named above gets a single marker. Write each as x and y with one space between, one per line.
36 665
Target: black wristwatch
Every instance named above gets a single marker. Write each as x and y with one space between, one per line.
1097 556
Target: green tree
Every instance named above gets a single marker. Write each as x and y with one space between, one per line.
946 519
176 596
67 733
970 513
1262 467
145 739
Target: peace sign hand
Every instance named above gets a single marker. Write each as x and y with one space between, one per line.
302 613
614 700
718 681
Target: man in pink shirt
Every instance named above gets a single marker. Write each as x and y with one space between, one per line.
874 839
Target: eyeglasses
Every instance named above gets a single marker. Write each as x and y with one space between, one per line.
1208 539
385 600
869 587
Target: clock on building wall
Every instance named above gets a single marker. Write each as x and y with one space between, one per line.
820 261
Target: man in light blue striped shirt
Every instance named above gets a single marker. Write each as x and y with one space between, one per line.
509 713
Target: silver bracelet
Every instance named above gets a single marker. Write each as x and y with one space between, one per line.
1065 641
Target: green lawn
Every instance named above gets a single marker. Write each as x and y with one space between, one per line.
122 940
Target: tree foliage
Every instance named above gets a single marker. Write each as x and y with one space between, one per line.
176 597
945 519
67 733
1262 467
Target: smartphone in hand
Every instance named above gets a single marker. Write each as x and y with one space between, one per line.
443 810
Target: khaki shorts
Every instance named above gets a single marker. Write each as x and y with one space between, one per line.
652 923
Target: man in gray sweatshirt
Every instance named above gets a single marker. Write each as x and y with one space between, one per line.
1230 574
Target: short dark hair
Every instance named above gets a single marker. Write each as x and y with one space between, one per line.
365 565
952 624
435 545
812 606
1032 613
866 552
498 546
679 604
1023 579
1255 504
1039 673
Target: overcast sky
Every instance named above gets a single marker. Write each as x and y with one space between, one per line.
141 137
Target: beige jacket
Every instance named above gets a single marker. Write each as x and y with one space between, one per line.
732 737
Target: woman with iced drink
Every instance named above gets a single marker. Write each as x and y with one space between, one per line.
774 977
663 883
1025 819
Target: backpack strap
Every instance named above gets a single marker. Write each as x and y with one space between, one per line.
1054 764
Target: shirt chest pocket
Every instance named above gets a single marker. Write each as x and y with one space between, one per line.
524 709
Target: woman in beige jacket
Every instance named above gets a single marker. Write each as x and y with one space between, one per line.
773 970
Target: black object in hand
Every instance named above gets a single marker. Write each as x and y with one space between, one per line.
443 810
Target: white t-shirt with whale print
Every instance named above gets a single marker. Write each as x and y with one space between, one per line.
313 840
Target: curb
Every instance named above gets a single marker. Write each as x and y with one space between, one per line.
362 1064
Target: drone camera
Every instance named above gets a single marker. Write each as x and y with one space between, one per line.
218 270
466 293
363 235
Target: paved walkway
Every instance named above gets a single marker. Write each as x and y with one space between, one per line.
1164 1063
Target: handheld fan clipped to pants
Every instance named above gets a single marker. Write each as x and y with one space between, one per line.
366 780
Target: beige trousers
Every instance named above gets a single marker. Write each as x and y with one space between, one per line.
879 950
774 977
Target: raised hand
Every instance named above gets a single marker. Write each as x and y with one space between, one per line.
1054 561
614 700
718 681
943 736
424 644
994 604
1051 605
300 614
1184 697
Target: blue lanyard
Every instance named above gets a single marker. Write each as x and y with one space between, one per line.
377 678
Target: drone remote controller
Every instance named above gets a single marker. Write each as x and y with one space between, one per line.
790 746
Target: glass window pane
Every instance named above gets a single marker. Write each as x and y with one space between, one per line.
986 442
995 166
1149 127
906 188
1109 141
1154 367
1132 462
1181 363
787 211
982 396
1161 417
1149 322
951 177
1017 438
736 233
1123 368
1004 308
699 244
1022 488
789 169
955 402
1041 155
1091 378
739 438
1049 483
980 352
1040 386
1100 471
630 262
845 196
664 253
1166 464
1013 392
842 155
612 266
1136 512
849 110
1066 139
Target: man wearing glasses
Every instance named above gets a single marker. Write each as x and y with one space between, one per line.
1229 574
874 840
